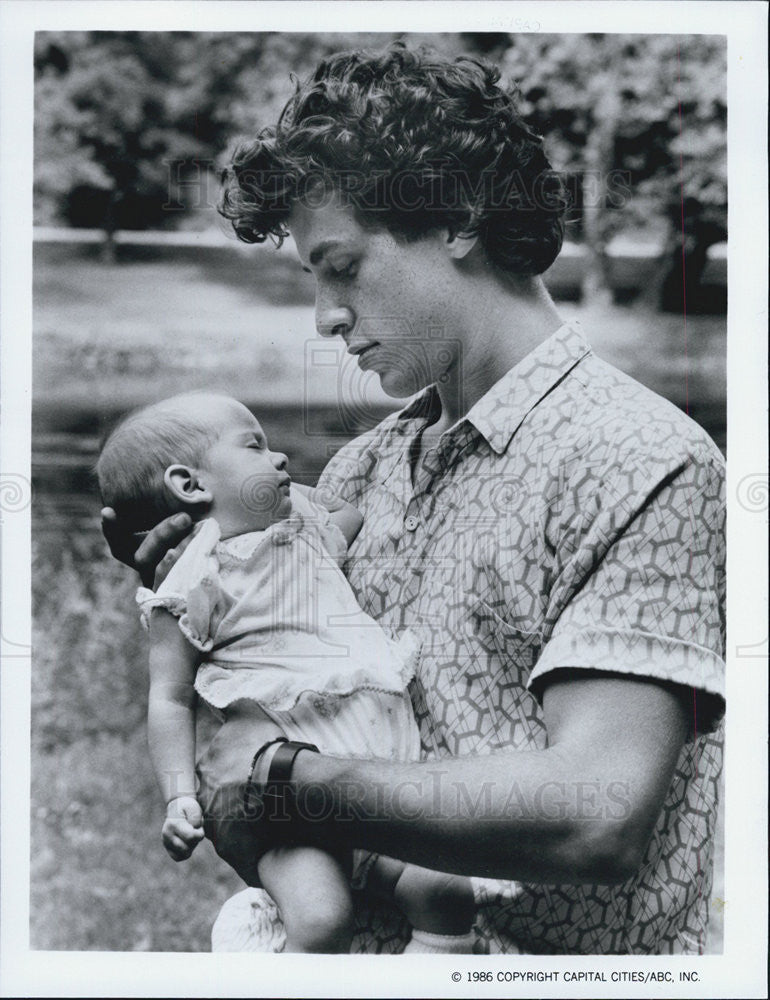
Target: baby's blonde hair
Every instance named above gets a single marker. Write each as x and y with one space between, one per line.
135 455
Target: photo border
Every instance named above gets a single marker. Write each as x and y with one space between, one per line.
741 969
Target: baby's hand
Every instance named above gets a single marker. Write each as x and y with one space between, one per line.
183 827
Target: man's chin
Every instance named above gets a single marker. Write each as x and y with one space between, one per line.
398 387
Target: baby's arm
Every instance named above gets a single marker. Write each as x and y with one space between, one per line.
171 732
347 517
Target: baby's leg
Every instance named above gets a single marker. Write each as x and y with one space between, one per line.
310 888
229 754
440 907
231 820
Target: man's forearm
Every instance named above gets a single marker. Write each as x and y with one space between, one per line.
533 816
581 810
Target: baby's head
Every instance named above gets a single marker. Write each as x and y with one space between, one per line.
199 453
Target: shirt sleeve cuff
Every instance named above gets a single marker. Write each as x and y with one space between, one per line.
639 654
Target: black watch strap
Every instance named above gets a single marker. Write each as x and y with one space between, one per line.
277 790
258 754
282 763
275 793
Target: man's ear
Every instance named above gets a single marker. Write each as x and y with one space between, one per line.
185 485
460 246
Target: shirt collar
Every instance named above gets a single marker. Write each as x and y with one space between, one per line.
421 406
501 410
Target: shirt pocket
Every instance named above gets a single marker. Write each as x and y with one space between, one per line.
503 636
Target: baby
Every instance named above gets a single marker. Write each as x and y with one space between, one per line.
257 618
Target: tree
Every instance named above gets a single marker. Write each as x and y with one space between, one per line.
126 120
637 122
646 110
105 128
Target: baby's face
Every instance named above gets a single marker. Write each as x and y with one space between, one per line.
249 483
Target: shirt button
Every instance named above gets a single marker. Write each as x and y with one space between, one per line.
411 523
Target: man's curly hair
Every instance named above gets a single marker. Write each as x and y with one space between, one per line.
413 143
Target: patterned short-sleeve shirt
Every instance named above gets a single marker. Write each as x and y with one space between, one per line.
572 519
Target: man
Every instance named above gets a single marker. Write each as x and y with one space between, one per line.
551 529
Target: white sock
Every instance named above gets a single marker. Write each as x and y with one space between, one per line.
248 921
425 943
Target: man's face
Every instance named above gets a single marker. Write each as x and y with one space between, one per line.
391 301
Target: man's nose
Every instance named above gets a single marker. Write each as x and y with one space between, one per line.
332 322
280 461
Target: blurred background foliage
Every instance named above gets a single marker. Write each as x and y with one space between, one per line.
129 129
129 123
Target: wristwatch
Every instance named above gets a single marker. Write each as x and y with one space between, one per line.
283 761
277 786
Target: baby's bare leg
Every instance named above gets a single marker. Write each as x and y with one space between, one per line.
229 754
311 890
431 901
435 901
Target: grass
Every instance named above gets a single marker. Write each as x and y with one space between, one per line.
108 337
100 877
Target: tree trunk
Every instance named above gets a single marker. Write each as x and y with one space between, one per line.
599 161
651 295
109 250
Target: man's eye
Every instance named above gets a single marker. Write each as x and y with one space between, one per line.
346 270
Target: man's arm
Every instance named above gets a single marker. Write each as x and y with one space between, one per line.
581 810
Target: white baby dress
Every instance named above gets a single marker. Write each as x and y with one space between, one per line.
278 624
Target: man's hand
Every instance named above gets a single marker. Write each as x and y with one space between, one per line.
183 827
151 555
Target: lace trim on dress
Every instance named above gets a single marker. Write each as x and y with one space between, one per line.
193 611
240 548
241 688
240 682
148 599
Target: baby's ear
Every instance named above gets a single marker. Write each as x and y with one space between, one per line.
185 485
